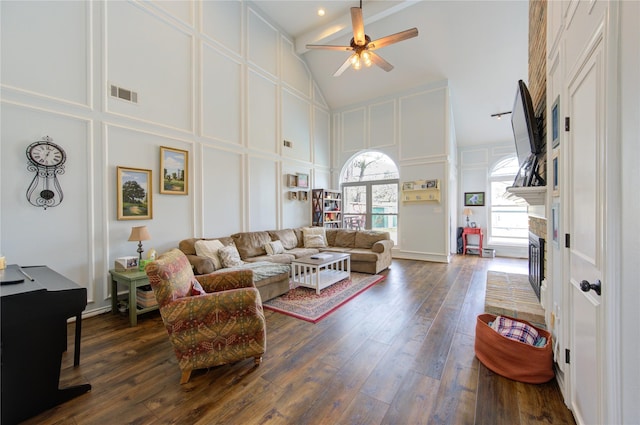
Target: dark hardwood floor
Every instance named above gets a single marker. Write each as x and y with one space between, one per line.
399 353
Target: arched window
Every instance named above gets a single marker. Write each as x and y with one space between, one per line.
509 222
369 184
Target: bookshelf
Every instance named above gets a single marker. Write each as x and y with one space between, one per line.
326 208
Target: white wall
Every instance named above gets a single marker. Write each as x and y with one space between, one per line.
474 166
213 78
412 128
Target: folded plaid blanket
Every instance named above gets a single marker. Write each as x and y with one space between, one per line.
517 330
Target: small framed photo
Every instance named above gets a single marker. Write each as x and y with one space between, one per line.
432 184
303 180
293 195
174 166
134 194
555 224
474 199
292 180
473 224
555 169
303 195
555 122
407 186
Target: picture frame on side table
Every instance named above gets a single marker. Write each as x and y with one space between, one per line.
174 166
474 199
135 194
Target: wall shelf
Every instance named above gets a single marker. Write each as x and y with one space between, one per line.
532 195
421 191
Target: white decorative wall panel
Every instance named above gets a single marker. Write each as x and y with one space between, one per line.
318 97
153 58
222 192
222 21
474 157
56 65
128 147
261 113
179 9
294 71
423 124
295 212
296 126
262 43
263 210
354 130
59 236
221 115
382 119
321 137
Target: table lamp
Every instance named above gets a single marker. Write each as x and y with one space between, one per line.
467 212
140 233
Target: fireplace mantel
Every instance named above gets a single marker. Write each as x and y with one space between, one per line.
532 195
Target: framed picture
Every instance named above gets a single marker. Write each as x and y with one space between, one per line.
303 180
474 199
555 224
555 122
473 225
174 166
135 193
432 184
293 195
303 195
555 169
292 180
407 186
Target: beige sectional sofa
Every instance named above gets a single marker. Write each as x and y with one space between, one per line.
370 252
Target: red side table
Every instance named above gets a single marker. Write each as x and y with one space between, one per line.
471 231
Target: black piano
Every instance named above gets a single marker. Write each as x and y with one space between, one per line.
35 303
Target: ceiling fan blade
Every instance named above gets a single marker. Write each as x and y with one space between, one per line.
375 58
328 47
343 67
393 38
358 26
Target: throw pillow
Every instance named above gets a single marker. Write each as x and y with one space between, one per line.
196 288
274 247
209 249
229 256
314 241
309 231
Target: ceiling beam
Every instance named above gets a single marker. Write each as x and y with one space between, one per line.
371 11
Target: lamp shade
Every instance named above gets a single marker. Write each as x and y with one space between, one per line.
139 233
467 212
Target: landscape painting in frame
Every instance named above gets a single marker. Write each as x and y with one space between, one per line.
474 199
134 194
174 166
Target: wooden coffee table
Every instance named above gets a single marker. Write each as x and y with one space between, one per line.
321 270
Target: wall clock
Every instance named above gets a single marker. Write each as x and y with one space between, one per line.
46 160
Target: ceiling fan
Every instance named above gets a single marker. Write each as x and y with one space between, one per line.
362 46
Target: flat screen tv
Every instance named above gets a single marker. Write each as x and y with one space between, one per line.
525 130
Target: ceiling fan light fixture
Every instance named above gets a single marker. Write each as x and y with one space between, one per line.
366 57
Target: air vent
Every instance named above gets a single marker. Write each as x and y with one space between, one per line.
124 94
288 144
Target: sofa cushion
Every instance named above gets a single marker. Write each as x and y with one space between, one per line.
310 239
302 252
366 238
275 258
330 234
229 256
299 236
358 254
286 236
251 244
314 241
274 247
209 249
345 238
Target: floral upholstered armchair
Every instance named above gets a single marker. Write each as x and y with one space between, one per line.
211 320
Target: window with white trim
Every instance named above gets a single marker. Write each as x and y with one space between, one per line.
508 221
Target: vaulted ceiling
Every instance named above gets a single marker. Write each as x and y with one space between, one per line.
479 46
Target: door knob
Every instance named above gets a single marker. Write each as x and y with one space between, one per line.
586 286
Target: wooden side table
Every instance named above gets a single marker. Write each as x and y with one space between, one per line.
134 279
471 231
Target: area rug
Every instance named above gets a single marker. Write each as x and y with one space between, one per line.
303 303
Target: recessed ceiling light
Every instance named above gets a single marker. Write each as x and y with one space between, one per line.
321 11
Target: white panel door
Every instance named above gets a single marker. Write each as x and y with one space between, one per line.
585 199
